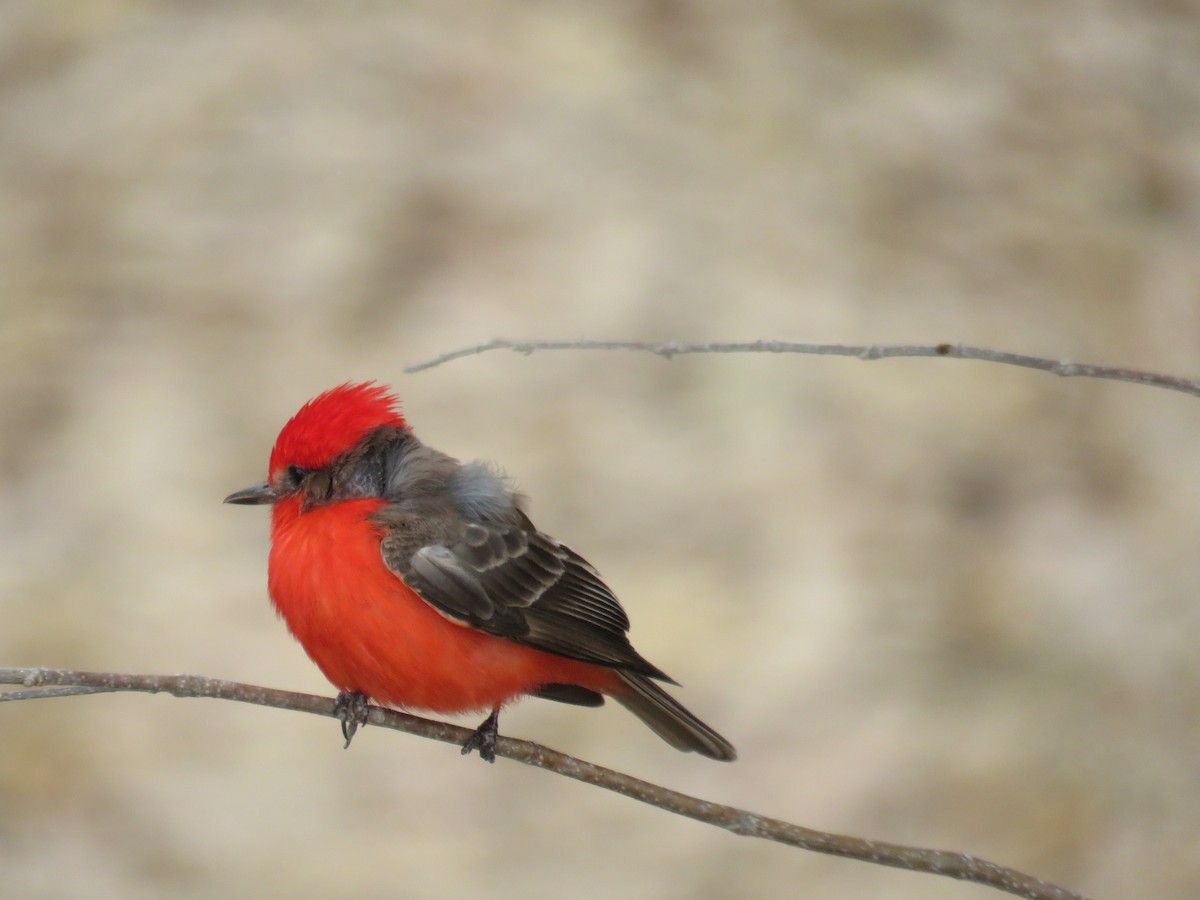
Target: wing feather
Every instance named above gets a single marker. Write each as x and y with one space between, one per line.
508 579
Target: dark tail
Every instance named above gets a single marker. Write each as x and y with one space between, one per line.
668 719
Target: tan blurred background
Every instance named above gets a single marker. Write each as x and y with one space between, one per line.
935 602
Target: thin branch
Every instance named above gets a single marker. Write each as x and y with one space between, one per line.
936 862
866 352
44 693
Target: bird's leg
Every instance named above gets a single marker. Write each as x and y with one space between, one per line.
351 710
484 738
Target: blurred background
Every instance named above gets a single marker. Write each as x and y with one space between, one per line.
935 602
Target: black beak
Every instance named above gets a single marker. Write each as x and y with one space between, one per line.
255 495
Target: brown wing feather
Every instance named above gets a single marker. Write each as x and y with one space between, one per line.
510 580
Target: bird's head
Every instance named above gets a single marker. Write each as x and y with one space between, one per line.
326 427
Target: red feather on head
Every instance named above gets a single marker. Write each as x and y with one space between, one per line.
332 423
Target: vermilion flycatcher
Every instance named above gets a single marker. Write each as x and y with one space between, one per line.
419 582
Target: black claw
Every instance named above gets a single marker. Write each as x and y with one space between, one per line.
484 738
351 710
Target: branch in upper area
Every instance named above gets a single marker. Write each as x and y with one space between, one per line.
669 349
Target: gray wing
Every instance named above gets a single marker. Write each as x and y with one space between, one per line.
510 580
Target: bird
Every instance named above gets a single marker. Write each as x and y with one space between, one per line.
419 582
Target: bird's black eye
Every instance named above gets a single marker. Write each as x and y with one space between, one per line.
296 474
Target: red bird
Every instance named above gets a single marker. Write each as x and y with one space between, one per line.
418 581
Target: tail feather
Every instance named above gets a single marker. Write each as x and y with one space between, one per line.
668 718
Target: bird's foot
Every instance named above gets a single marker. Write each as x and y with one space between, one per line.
351 709
484 738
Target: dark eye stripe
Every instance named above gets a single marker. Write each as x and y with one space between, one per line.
296 474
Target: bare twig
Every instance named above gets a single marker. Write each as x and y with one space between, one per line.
867 352
916 859
44 693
